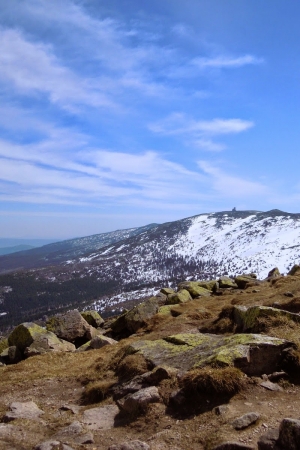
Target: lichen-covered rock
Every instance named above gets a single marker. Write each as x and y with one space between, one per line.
137 317
243 280
24 335
167 291
209 285
246 318
29 339
254 354
226 282
194 289
182 296
93 318
134 319
69 326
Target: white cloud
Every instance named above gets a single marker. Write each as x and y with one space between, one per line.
231 186
222 61
199 133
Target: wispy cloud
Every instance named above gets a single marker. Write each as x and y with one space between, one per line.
200 132
231 186
224 62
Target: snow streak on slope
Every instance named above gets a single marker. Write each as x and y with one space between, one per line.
203 246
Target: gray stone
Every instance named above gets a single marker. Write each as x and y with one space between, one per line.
141 399
268 441
194 289
102 418
182 296
96 343
75 433
233 446
245 421
25 410
289 434
52 445
221 410
69 326
271 386
134 319
226 282
130 445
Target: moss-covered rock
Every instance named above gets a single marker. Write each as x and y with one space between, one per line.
31 339
226 282
96 342
246 318
194 289
93 318
134 319
254 354
70 326
3 344
167 291
243 280
182 296
209 285
294 270
274 273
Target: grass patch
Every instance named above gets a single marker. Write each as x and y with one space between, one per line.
97 391
132 365
224 381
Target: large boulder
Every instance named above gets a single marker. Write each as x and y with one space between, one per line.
254 354
246 319
70 326
194 289
93 318
226 282
96 343
134 319
182 296
31 339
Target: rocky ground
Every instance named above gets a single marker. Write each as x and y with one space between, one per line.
200 368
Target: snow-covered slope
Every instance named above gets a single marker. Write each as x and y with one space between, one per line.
203 246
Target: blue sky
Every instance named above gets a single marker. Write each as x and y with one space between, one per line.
122 113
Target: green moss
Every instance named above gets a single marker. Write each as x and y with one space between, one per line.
189 339
52 324
165 310
182 296
3 345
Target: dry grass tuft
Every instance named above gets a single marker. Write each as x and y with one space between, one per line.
97 391
225 381
131 366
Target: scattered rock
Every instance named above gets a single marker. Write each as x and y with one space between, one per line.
102 418
25 410
167 291
226 282
274 273
194 289
70 326
182 296
52 445
96 342
131 445
221 410
246 318
233 446
245 421
289 434
69 407
139 400
268 441
271 386
134 319
294 269
75 433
